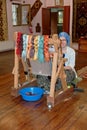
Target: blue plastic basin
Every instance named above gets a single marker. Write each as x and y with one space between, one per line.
31 93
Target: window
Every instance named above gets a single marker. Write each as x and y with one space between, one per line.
16 14
20 14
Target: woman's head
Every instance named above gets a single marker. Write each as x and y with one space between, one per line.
65 38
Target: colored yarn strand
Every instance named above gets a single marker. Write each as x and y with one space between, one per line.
36 48
29 46
41 49
32 48
19 44
46 48
25 42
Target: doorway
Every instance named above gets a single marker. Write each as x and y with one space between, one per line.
55 20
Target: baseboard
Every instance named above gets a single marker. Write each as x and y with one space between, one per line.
6 50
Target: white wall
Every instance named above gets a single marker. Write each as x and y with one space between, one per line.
25 29
6 45
67 2
50 3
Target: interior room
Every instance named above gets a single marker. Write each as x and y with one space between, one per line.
34 91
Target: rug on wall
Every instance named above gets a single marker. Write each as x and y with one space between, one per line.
79 19
35 8
3 21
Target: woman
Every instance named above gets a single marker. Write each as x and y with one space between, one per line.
68 53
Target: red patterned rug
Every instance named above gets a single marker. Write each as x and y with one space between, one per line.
35 8
81 22
3 21
79 19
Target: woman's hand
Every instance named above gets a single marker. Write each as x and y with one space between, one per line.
67 67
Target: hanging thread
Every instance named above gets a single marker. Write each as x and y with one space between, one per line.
46 48
36 47
19 43
29 45
25 42
32 51
41 48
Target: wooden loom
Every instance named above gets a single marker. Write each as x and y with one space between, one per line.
57 72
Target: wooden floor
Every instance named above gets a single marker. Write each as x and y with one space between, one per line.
16 114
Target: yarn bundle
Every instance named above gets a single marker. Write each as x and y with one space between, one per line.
19 43
33 47
29 45
46 48
36 47
41 48
25 41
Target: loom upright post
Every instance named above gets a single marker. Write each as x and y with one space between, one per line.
14 91
50 98
16 73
